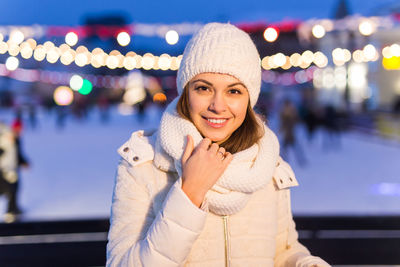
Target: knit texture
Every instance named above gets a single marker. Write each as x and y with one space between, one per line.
249 171
222 48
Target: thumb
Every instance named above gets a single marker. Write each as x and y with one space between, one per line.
188 149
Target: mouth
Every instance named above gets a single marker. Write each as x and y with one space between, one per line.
216 122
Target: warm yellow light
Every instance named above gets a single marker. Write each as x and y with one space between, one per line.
12 63
174 63
40 53
366 27
134 95
148 61
81 49
279 59
71 38
13 49
318 31
270 34
172 37
338 56
320 59
395 50
32 43
307 56
26 52
112 62
129 63
48 46
63 96
98 59
392 63
358 56
159 97
138 59
164 62
81 59
67 57
369 52
287 64
97 51
295 59
52 55
64 48
17 37
304 65
123 38
264 63
3 47
386 52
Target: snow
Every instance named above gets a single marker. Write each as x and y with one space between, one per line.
73 169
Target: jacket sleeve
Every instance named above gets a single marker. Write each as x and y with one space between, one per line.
137 236
290 253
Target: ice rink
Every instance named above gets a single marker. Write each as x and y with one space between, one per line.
72 169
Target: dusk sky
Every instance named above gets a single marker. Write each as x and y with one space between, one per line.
72 12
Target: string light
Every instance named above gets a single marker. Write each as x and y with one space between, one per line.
172 37
12 63
271 34
123 38
71 38
318 31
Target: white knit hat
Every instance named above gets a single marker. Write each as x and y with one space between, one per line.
222 48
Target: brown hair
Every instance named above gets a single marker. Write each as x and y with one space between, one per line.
248 133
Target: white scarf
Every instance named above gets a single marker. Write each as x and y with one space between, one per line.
249 171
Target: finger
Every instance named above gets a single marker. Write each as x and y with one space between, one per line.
188 149
221 151
205 143
213 148
227 159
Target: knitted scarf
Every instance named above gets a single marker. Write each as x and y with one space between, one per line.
250 170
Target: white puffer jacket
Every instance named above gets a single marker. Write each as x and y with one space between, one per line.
153 222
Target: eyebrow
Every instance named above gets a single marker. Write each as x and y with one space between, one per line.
207 82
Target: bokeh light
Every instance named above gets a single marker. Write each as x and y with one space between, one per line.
366 27
71 38
271 34
76 82
172 37
86 87
123 38
63 96
12 63
318 31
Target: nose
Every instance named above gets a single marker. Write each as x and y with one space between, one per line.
217 104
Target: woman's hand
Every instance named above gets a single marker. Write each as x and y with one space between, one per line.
201 168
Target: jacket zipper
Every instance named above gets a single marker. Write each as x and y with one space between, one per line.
226 235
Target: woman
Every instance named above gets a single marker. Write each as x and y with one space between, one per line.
209 188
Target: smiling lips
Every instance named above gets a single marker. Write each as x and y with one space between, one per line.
215 122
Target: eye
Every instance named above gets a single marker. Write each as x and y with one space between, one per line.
201 88
235 91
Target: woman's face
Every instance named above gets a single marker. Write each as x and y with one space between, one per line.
217 105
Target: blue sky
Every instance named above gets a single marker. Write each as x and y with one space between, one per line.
71 12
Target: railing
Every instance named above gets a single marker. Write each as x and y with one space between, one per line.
338 240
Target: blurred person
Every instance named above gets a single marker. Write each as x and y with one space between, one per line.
309 113
208 188
288 121
331 122
17 128
8 171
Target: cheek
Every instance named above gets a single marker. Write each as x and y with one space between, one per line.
195 106
239 109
